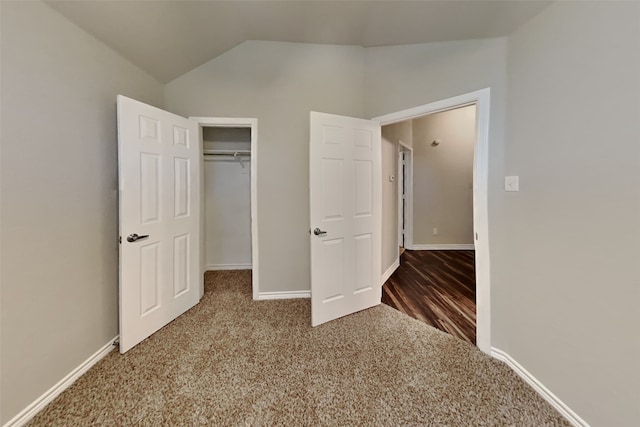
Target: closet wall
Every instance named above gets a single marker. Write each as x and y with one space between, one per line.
227 198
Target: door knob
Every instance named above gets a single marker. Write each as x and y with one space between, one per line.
133 237
318 232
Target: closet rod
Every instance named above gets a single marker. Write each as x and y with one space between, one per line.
227 153
234 153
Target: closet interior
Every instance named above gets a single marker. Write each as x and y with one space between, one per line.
227 197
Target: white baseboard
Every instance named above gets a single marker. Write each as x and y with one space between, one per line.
37 405
442 247
215 267
390 270
283 295
543 391
307 294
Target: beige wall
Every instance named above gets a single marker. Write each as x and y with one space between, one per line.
443 177
59 193
574 227
390 136
279 84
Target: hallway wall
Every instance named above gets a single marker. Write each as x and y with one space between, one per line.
443 177
390 136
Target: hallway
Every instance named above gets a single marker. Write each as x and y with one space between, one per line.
437 287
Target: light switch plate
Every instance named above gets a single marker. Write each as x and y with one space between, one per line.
511 183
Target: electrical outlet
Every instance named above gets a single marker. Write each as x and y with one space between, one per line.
435 231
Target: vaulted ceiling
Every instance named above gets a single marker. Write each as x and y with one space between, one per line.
169 38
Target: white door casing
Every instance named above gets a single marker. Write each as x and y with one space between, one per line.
345 202
252 124
405 187
159 197
482 99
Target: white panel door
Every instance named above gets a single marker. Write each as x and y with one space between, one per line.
345 192
159 183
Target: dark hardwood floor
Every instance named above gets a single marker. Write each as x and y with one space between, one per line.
437 287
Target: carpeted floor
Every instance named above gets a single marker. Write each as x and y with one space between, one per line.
233 361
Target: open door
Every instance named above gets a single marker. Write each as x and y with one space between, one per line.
159 183
345 212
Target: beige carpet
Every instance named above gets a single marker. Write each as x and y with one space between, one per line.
232 361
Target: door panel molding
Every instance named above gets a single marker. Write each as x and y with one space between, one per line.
159 187
345 215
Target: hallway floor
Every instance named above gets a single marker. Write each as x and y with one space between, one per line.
437 287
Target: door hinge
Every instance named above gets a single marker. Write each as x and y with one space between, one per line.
476 236
120 239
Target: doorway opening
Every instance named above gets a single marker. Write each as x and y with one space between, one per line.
229 196
477 230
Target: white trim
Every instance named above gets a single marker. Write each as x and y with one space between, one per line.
38 405
253 124
435 107
442 247
408 187
216 267
481 98
543 391
229 122
283 295
399 203
390 270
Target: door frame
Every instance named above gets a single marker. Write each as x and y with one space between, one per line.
235 122
481 98
405 217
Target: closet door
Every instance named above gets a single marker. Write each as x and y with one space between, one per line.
159 183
